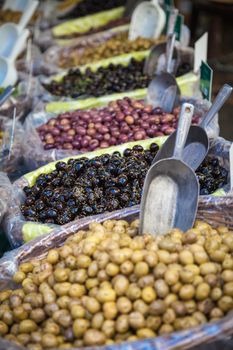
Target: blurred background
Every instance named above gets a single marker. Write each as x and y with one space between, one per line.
216 18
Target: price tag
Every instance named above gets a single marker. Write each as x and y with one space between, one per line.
206 80
200 51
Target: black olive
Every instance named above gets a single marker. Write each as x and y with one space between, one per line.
154 147
60 166
71 203
59 206
204 191
138 148
74 211
39 205
105 183
51 213
122 180
48 192
87 210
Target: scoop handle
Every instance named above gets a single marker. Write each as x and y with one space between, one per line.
27 14
19 45
169 52
6 94
172 21
219 101
185 120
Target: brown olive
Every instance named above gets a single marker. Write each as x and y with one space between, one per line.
121 285
145 333
37 315
136 320
49 341
3 328
169 316
122 324
92 305
186 257
27 326
133 292
202 291
166 329
225 303
110 310
80 327
108 328
93 337
153 322
106 294
161 288
179 308
157 308
171 277
19 276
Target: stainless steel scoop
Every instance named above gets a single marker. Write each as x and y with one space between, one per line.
163 90
171 188
197 144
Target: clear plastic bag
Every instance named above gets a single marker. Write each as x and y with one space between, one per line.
19 231
202 337
11 158
5 186
124 60
35 155
47 40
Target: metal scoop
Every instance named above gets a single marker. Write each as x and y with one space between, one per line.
147 21
171 188
197 144
163 90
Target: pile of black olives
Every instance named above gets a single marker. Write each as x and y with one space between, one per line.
88 7
105 81
211 176
84 187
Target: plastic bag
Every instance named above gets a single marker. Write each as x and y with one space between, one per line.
4 194
84 24
184 340
19 231
21 101
123 60
47 38
11 159
34 153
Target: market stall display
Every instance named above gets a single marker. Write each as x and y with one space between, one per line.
104 81
141 285
79 137
87 7
129 119
89 24
118 45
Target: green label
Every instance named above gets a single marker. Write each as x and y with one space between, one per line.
169 3
206 79
178 26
